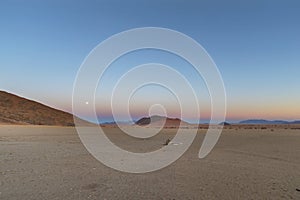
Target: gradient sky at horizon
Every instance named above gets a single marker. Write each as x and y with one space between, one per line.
255 44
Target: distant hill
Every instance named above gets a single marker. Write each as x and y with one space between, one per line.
18 110
224 123
262 121
115 123
159 120
295 122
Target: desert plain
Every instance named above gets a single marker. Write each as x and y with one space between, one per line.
248 162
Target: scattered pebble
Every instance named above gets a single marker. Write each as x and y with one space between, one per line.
297 189
167 142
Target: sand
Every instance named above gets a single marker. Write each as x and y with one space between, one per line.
39 162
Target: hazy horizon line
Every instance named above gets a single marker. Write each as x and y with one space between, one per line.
110 118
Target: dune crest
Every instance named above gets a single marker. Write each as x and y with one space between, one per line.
18 110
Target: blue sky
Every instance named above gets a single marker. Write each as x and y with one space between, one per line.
255 44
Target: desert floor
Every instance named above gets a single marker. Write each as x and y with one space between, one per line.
51 163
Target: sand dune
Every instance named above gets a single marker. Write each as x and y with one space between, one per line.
18 110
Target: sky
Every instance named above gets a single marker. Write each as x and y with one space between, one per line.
255 45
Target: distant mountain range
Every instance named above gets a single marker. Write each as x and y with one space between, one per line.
115 123
156 120
262 121
18 110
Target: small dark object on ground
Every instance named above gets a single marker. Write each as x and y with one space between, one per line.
167 142
297 189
